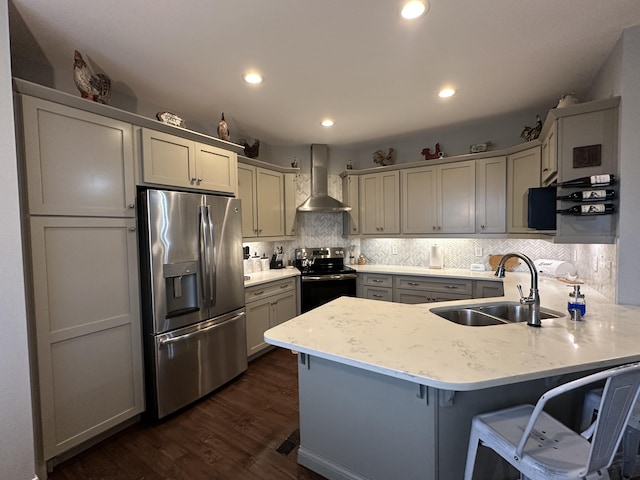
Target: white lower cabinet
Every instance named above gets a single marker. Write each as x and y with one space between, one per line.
268 305
87 323
426 290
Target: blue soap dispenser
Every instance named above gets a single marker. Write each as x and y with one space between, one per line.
577 305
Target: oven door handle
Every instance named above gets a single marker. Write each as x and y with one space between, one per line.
324 278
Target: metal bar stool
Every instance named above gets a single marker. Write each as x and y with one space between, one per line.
631 438
542 448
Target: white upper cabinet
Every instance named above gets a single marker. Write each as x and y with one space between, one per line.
380 203
491 195
77 163
523 173
439 199
179 162
262 192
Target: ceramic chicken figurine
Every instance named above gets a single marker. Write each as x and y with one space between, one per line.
531 133
93 87
431 156
251 151
223 129
383 159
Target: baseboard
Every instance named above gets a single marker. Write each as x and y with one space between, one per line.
325 467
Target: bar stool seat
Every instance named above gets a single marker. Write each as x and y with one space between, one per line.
542 448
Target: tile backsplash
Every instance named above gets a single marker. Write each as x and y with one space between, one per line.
596 264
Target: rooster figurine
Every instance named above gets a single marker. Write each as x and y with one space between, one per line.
251 151
223 129
94 87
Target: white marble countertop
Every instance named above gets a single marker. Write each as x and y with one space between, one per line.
256 278
411 343
424 271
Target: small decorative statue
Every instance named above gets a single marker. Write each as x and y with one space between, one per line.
250 151
294 164
170 119
223 129
93 87
481 147
349 165
531 133
384 159
567 100
431 156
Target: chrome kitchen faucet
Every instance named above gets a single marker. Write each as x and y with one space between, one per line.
533 300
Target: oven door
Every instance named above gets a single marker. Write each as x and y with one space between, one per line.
320 289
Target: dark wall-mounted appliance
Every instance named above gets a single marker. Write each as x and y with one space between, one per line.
542 208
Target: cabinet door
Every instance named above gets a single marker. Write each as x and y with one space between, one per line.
290 204
487 289
457 197
284 306
77 163
491 195
369 204
523 172
389 204
216 169
411 296
87 322
258 322
270 202
168 160
549 156
247 195
350 193
419 199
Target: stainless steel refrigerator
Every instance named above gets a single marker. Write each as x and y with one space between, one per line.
192 296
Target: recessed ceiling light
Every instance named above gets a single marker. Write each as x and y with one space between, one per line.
446 93
414 9
327 122
253 78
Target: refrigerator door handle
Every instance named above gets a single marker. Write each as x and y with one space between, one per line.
180 338
204 271
211 257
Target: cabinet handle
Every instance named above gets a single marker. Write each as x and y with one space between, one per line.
284 286
413 283
375 295
450 286
482 227
376 280
193 179
199 180
434 227
258 293
132 229
131 205
545 169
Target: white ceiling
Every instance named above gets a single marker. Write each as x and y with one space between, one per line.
355 61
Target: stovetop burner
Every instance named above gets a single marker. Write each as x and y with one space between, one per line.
321 260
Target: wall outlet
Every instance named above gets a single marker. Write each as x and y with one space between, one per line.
574 256
594 263
394 250
478 251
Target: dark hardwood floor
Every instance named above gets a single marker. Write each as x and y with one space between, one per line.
232 434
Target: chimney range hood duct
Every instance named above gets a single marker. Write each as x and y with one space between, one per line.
320 201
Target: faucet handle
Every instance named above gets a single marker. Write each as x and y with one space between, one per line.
519 287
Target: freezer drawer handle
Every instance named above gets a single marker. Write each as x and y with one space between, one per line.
166 341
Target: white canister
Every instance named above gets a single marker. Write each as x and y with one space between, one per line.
436 258
264 264
255 264
246 264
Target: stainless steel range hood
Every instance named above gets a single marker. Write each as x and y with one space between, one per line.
320 201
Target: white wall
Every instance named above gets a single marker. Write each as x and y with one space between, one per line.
17 460
619 76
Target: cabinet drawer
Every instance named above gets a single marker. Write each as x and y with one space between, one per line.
257 292
377 280
376 293
446 285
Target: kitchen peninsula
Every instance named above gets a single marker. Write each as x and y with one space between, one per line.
388 390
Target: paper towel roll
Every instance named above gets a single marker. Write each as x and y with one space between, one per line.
554 268
436 259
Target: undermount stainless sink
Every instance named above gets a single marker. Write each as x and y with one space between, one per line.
486 314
